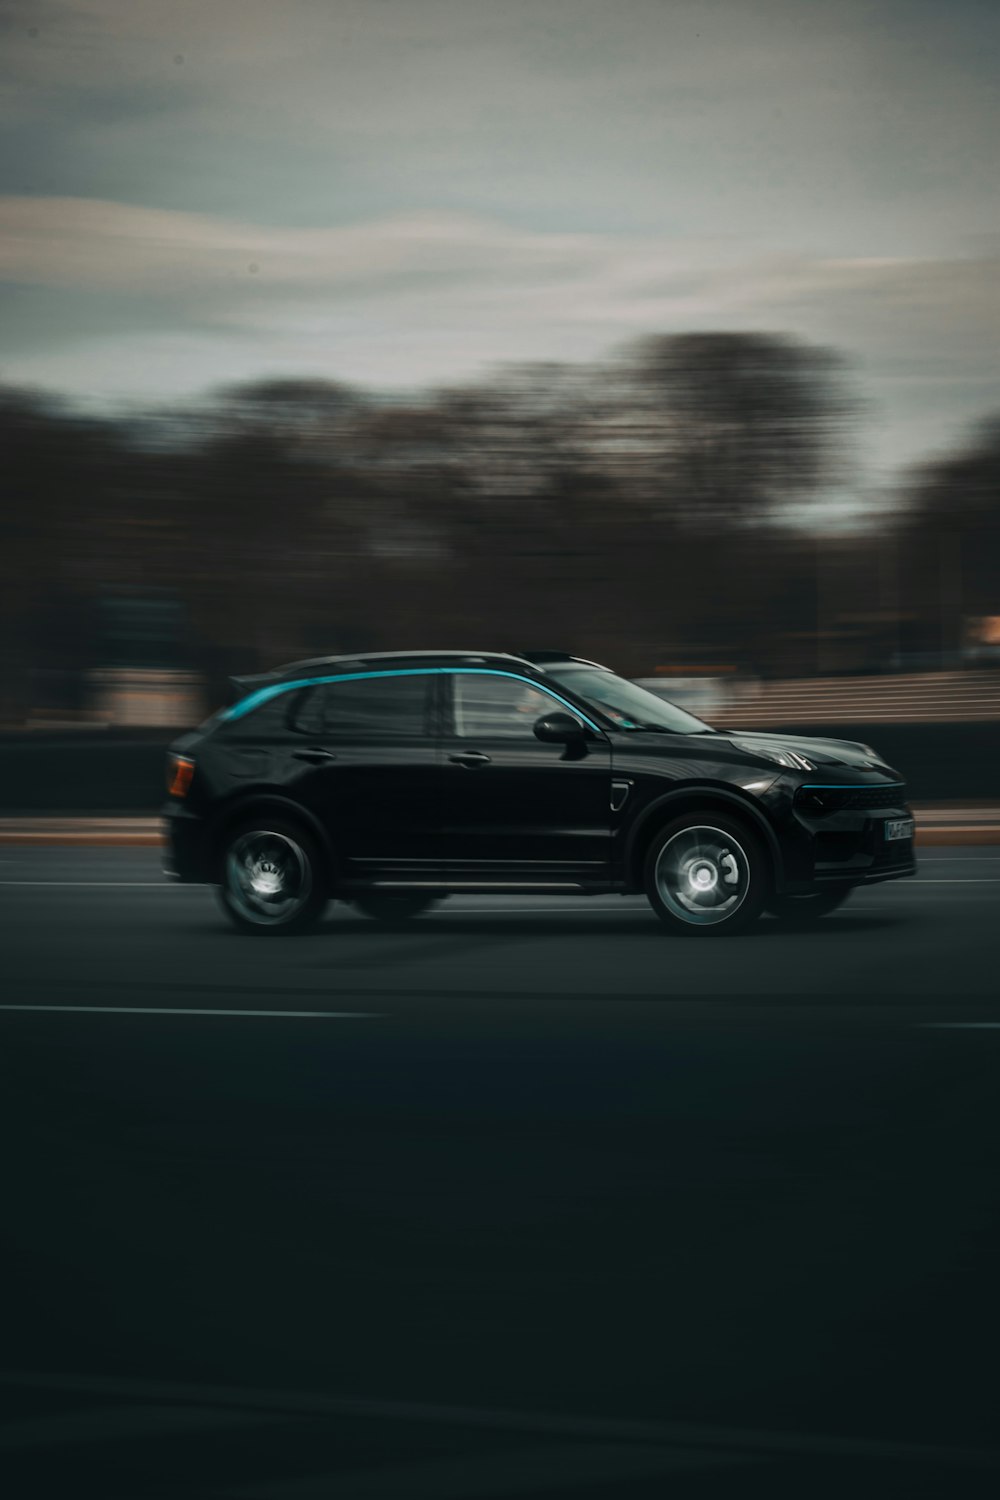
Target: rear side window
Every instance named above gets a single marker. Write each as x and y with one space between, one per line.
376 707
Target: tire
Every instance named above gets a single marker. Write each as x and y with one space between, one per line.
707 875
393 910
807 908
272 881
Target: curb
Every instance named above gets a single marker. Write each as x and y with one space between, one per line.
69 839
927 837
141 833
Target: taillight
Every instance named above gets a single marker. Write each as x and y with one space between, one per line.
179 773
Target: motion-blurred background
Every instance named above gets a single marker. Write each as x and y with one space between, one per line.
661 333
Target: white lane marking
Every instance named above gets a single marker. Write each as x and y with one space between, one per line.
613 1429
132 1421
172 1010
958 1025
173 885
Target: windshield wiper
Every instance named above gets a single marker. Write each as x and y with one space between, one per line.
663 729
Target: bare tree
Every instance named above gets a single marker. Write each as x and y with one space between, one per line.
740 424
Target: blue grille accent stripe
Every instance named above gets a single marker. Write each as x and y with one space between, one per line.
265 694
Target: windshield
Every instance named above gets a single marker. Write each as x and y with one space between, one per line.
624 703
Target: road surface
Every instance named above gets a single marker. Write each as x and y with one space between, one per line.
527 1199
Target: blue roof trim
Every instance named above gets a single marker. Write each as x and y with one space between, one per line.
265 694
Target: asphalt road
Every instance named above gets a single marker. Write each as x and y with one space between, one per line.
528 1199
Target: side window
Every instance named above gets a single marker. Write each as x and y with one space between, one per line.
486 707
305 712
376 707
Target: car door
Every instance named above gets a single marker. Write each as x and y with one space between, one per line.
513 809
366 759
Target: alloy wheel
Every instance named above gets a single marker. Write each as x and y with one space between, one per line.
702 875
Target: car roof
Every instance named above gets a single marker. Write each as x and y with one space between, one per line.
389 658
538 660
528 662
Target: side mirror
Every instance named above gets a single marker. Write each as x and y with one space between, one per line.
559 729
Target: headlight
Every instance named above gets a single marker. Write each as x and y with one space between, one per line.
782 755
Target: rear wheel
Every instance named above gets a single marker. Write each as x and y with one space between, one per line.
808 907
393 910
706 874
272 880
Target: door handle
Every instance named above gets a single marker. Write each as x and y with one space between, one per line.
470 758
316 755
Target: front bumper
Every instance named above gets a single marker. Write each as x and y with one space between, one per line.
845 846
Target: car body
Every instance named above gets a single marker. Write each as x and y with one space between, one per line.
393 780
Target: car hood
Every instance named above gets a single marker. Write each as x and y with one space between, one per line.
821 751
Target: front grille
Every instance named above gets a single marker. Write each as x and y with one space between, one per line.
819 800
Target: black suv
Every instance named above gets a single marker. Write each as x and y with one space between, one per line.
391 781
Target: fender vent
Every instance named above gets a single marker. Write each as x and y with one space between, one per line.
619 794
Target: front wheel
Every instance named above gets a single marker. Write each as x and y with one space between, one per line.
706 874
392 910
271 879
808 907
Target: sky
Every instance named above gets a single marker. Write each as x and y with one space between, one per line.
404 193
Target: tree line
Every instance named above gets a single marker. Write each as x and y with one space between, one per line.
674 506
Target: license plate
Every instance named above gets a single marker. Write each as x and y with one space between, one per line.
898 828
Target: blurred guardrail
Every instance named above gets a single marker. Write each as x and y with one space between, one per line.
914 698
920 698
941 731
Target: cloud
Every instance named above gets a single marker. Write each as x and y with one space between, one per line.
806 125
401 191
453 266
182 300
92 244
